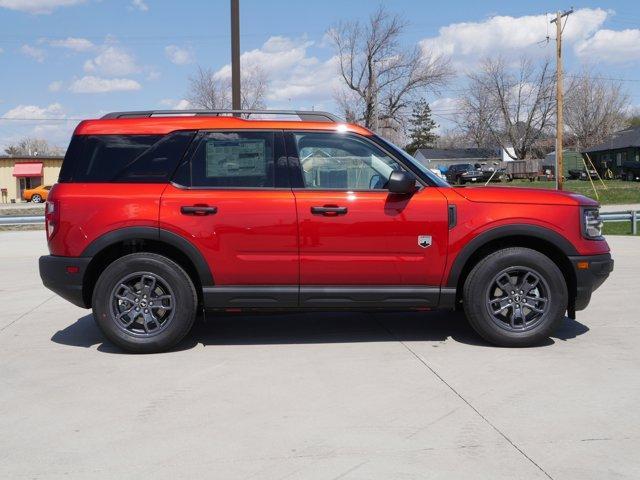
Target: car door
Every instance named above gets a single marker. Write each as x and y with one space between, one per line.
360 244
232 200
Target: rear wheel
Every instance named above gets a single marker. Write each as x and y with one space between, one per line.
630 177
515 297
36 198
144 303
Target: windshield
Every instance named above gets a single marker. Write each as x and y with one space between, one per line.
437 181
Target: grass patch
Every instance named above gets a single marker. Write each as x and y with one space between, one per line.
618 191
617 228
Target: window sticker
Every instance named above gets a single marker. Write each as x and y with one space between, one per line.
236 158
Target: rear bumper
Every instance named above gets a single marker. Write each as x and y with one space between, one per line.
589 279
56 277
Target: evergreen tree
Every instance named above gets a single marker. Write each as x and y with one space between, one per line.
422 126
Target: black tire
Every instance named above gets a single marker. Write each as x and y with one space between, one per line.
168 277
630 177
493 328
36 198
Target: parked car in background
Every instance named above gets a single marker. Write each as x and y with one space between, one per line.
456 170
38 194
474 173
156 217
630 171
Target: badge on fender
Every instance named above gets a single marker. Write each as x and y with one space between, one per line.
424 241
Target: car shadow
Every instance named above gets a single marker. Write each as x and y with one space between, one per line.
313 327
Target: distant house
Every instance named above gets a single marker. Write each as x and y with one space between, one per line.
621 150
21 172
441 158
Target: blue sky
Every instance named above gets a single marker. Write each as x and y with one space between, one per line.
70 59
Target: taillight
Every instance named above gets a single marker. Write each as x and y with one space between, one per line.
51 217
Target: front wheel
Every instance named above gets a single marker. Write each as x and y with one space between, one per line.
36 198
515 297
630 177
144 303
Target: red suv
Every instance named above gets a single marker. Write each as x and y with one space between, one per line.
159 215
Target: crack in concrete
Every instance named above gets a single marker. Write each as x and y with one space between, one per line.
26 313
459 395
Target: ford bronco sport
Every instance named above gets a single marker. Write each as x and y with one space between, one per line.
159 215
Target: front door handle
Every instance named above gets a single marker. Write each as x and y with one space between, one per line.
198 210
329 210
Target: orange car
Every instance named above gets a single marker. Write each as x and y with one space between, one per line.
36 194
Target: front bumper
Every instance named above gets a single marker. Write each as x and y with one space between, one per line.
56 275
590 272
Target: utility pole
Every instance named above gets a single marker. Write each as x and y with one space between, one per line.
374 87
559 96
235 55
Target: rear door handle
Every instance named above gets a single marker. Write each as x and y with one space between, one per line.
329 210
198 210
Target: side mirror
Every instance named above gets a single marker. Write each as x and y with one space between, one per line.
401 182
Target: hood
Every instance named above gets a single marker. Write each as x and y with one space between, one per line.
536 196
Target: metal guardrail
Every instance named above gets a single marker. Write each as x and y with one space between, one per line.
21 220
630 216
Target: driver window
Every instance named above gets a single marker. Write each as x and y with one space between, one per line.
338 161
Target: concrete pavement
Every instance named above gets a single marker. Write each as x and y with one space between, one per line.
316 396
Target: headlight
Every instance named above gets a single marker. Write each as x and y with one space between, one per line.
591 223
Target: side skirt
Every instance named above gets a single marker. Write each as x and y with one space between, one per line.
321 297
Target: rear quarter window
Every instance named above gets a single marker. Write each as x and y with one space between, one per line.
124 158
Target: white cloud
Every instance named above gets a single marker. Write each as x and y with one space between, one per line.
179 56
139 5
468 42
55 86
294 76
36 53
175 104
37 6
35 112
611 46
112 61
91 84
48 122
73 43
1 50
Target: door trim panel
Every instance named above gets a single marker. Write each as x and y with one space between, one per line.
379 296
253 296
320 296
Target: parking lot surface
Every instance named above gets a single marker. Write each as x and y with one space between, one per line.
317 396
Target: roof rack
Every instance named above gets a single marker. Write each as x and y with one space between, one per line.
304 115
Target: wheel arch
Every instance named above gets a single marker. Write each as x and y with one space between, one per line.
112 245
543 240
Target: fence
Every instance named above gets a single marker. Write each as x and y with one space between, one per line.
631 216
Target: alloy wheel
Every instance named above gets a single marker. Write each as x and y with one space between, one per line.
517 298
142 304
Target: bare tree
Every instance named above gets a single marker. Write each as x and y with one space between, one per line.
633 118
32 147
515 105
382 78
594 108
473 118
213 92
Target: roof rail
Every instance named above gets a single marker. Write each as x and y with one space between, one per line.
304 115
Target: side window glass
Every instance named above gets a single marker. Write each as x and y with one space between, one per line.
337 161
234 159
158 162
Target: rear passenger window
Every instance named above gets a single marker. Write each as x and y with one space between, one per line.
124 158
234 159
